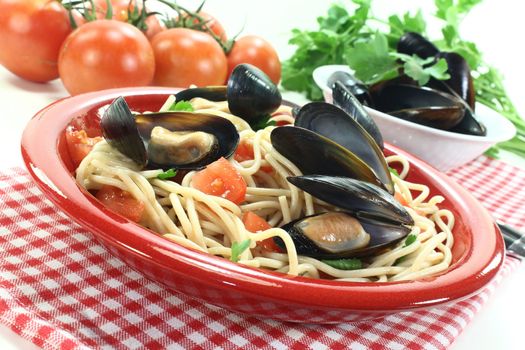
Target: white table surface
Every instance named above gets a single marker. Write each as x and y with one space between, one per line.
494 26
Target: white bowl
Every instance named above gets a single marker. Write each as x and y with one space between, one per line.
444 150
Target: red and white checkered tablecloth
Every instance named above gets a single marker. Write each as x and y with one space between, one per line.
62 290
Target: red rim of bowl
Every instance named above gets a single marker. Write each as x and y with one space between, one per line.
478 265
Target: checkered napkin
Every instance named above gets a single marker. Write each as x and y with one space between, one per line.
62 290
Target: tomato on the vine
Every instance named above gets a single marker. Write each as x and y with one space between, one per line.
31 33
105 54
185 56
121 9
257 51
212 23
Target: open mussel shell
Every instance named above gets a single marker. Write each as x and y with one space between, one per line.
360 198
349 103
352 84
120 131
335 235
251 94
415 44
180 140
421 105
335 124
212 93
316 154
470 125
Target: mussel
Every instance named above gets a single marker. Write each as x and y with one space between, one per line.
370 220
421 105
460 81
316 154
412 43
335 124
352 84
180 140
250 93
349 103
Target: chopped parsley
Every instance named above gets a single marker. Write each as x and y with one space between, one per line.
167 174
344 264
238 248
181 106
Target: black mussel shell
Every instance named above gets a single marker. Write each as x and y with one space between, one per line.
224 131
470 125
335 124
460 78
360 198
251 94
120 131
348 102
421 105
415 44
382 236
316 154
212 93
352 84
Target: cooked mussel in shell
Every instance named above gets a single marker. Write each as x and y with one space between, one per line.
346 100
180 140
338 126
371 220
420 105
313 154
351 84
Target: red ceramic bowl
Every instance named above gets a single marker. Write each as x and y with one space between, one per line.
478 250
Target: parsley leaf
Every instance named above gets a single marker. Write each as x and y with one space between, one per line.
371 60
344 264
263 122
181 106
167 174
238 248
410 239
393 171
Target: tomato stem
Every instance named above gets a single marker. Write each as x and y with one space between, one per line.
192 20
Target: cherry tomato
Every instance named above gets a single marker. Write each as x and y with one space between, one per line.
221 179
105 54
185 56
257 51
121 202
31 33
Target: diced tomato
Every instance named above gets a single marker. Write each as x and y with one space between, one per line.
79 144
244 152
254 223
121 202
400 198
221 179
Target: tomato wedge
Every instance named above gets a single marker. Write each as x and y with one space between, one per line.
121 202
244 152
221 179
79 144
254 223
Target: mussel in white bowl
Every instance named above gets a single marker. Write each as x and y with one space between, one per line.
443 149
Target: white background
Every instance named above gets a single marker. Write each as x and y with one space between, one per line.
498 28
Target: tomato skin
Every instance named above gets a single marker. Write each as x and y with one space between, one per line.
105 54
254 223
79 144
185 56
257 51
121 202
214 25
244 151
31 33
221 179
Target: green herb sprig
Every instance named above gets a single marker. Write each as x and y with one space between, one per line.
345 264
238 248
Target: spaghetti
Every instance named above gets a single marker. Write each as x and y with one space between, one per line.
196 220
